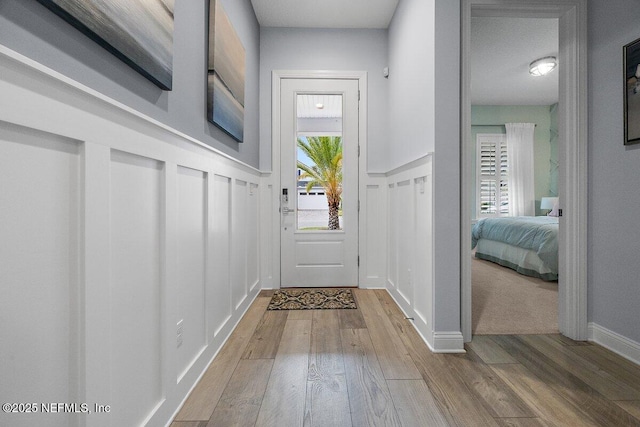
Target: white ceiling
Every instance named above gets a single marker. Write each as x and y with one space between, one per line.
501 48
325 13
501 51
307 106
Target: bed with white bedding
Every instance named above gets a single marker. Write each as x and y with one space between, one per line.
528 245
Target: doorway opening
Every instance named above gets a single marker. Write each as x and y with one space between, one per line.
572 153
514 269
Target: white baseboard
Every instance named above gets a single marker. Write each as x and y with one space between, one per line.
615 342
365 286
448 342
438 342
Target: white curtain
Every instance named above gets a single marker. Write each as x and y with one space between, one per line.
521 175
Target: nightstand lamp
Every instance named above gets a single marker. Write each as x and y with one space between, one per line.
548 203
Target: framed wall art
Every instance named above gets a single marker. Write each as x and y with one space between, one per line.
632 93
139 32
225 74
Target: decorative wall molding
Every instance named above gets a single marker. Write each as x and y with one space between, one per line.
149 220
410 250
615 342
420 161
373 232
58 78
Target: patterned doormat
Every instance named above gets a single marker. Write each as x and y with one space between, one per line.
312 299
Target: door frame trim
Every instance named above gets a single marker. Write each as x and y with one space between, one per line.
276 77
572 182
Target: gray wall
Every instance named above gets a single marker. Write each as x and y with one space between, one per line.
32 30
424 52
320 49
614 175
411 82
446 165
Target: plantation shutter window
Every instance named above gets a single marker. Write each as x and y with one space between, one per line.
492 193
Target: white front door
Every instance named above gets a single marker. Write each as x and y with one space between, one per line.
319 182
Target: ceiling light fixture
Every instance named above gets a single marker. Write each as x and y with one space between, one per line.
319 106
542 66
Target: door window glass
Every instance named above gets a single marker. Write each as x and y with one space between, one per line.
319 162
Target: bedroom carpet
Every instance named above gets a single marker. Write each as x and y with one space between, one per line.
505 302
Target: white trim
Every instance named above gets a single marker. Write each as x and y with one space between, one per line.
438 342
274 176
466 165
615 342
573 119
407 166
448 342
17 57
319 74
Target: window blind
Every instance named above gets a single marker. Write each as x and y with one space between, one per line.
493 170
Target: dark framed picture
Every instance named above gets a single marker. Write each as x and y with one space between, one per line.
632 93
226 74
138 32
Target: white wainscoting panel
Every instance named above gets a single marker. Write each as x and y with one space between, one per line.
423 270
136 287
239 243
269 244
405 244
253 237
393 240
39 226
410 243
373 234
191 260
220 286
113 228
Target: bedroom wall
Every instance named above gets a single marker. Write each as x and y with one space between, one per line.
34 31
614 175
483 115
553 160
328 49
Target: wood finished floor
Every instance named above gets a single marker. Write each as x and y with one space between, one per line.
368 367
